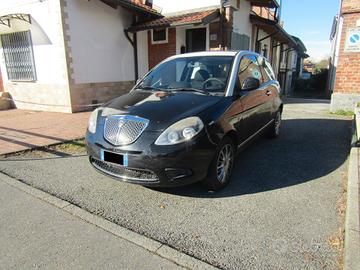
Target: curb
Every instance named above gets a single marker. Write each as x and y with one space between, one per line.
352 219
149 244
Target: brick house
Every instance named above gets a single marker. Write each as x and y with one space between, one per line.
82 52
229 25
344 82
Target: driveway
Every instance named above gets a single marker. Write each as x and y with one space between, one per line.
278 212
21 130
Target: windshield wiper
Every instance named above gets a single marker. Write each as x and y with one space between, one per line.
187 89
147 88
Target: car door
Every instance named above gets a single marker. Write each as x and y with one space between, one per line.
244 113
270 87
252 100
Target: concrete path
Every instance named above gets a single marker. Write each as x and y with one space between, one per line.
279 211
37 235
22 130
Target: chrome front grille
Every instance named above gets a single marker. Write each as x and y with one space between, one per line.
124 129
124 173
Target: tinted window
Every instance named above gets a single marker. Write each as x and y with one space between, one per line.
266 69
249 67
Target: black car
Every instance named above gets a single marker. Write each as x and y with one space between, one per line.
186 119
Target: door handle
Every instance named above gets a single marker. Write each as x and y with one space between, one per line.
268 92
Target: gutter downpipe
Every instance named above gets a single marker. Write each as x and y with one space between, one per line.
133 43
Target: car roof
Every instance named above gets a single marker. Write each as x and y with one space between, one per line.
207 53
211 53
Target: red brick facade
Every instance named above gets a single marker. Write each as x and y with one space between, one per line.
159 52
348 69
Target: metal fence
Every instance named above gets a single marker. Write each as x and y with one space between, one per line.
19 56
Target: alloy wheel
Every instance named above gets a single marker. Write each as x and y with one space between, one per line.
224 162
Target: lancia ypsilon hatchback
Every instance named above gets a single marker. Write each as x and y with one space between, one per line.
186 119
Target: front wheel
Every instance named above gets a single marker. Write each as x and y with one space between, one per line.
221 167
274 130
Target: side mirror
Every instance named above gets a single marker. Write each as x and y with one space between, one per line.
250 83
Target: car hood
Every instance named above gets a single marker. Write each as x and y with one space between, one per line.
161 108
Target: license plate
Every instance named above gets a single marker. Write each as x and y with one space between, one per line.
115 158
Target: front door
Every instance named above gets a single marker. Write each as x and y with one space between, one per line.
196 40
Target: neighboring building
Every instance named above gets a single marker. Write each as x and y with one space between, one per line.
57 54
62 55
344 77
229 25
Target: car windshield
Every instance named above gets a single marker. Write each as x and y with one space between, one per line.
205 74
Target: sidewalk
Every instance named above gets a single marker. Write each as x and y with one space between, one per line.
37 235
22 130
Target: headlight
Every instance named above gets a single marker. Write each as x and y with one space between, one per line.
181 131
92 121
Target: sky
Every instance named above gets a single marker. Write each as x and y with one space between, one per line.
311 20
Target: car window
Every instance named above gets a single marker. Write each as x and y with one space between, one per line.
209 73
266 69
249 67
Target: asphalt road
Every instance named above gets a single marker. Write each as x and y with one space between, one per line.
278 212
41 236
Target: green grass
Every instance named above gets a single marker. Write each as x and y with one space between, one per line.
343 113
73 147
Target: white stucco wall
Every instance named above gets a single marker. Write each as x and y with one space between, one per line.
242 24
50 91
263 34
46 34
99 49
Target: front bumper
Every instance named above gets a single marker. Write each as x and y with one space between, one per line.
152 165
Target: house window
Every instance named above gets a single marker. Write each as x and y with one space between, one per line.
19 57
159 36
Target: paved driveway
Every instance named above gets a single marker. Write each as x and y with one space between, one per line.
278 212
21 130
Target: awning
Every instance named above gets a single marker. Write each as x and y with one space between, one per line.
274 29
194 18
134 6
265 3
19 22
6 19
301 48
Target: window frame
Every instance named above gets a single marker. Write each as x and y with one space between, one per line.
12 74
166 40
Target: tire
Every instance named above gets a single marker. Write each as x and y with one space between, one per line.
274 130
215 179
